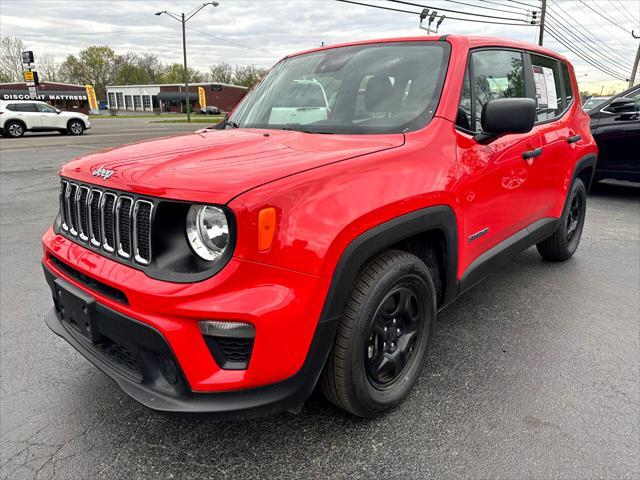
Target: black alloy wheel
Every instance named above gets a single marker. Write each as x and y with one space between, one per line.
397 324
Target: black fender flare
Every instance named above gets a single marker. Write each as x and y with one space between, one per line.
373 241
588 161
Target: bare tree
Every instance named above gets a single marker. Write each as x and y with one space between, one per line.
47 67
221 73
248 75
11 49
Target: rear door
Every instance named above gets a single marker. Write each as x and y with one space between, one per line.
559 132
28 113
495 180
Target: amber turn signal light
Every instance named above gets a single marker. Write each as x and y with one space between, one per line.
266 228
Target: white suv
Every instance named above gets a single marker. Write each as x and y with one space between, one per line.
19 116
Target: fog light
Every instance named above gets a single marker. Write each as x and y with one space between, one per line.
227 329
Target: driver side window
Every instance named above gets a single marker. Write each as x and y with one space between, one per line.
491 74
45 108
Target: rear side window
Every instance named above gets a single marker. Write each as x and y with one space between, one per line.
568 86
491 74
22 107
546 78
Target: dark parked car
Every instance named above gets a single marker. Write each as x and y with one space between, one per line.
210 110
615 125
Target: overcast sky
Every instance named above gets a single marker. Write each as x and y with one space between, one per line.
259 32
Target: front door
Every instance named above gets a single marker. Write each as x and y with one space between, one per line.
49 116
618 138
495 179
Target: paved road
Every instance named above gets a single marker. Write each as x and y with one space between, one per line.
533 374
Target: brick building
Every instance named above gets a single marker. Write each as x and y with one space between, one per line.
171 97
65 96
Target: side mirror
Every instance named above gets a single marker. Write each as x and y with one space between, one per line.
623 105
58 110
504 116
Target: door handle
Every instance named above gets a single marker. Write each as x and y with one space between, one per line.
574 138
532 153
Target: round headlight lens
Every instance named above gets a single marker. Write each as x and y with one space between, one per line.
207 231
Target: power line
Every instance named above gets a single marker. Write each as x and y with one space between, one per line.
581 38
523 3
582 27
460 12
418 13
625 8
506 6
586 56
567 44
487 8
606 18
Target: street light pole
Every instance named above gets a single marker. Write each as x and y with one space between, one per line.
183 19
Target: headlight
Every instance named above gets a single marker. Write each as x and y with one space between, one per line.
207 231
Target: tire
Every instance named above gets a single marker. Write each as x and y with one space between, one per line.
563 243
14 129
75 127
359 375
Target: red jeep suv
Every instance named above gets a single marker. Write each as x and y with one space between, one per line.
311 237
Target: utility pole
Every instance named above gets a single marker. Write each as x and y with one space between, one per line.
634 70
185 74
543 11
185 71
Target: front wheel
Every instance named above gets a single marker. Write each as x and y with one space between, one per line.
75 127
565 240
383 335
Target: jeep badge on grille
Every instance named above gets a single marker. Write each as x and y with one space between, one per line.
102 172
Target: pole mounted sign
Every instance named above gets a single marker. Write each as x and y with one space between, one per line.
28 76
27 57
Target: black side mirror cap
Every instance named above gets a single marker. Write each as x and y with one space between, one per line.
623 105
506 115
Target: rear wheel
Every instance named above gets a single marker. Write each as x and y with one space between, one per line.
14 129
565 240
383 335
75 127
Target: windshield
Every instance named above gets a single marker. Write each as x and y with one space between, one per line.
373 88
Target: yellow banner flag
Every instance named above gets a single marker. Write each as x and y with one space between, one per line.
202 98
91 96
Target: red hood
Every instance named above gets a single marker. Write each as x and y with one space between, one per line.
217 165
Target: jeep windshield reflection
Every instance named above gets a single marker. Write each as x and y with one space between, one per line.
372 88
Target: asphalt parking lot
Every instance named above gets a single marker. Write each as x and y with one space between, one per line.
535 373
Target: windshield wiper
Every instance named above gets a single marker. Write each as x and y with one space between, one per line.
321 132
230 123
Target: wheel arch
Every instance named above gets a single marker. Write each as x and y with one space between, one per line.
439 219
585 170
16 120
72 119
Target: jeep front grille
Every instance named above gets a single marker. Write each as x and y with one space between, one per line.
115 223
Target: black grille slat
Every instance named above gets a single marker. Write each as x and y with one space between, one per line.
142 231
72 193
235 349
109 240
83 214
115 223
94 218
123 232
63 205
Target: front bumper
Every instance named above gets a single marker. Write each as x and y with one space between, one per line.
139 359
290 344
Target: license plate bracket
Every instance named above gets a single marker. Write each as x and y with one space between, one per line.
76 309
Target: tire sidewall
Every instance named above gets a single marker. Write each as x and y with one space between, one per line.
8 126
579 189
373 399
72 122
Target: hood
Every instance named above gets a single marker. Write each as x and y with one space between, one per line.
216 165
